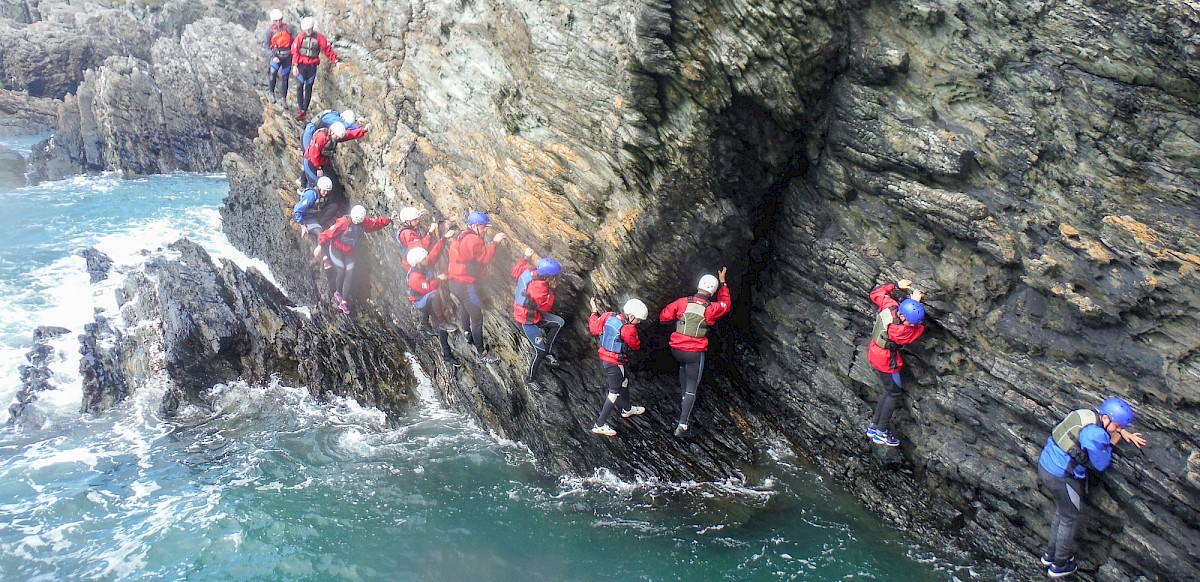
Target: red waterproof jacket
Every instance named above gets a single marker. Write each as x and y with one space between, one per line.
342 226
540 295
320 139
629 335
468 256
716 309
298 59
899 333
411 238
421 285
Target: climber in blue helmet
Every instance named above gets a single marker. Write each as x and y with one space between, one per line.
533 300
897 324
1083 441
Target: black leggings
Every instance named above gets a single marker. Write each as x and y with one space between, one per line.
281 70
618 391
304 85
893 390
1067 493
344 264
470 312
691 369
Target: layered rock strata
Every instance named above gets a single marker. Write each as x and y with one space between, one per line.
1034 176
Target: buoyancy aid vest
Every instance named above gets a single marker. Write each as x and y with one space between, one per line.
281 39
879 334
693 323
352 234
330 146
522 296
319 121
610 338
1066 435
412 293
310 47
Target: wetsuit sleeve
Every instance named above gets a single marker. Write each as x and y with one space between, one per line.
596 322
334 231
882 296
325 47
519 268
306 201
905 334
1097 443
374 224
719 308
629 335
352 134
672 310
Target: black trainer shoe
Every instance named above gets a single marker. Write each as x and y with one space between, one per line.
1058 571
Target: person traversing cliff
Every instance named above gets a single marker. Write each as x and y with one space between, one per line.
694 315
618 336
278 43
412 233
1082 442
315 211
342 237
897 323
469 256
326 119
532 302
424 291
306 56
322 147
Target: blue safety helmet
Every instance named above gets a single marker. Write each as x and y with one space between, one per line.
477 217
1118 411
549 268
912 310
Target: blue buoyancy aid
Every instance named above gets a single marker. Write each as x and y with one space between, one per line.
610 338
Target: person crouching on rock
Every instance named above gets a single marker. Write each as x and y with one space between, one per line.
534 298
469 256
618 336
896 324
326 119
1083 441
314 210
424 290
694 315
306 54
278 42
321 149
342 237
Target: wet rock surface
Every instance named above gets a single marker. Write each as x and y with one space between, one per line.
36 375
1033 177
191 324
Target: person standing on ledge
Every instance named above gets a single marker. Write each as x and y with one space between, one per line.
618 336
345 234
1083 441
694 315
278 42
469 256
532 302
896 324
306 55
314 211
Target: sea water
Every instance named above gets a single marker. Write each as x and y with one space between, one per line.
267 483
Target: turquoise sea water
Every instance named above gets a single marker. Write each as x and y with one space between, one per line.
269 484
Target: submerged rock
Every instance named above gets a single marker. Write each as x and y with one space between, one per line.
35 376
98 264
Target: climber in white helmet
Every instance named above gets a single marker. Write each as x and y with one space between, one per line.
618 336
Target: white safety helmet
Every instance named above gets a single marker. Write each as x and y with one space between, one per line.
324 183
416 255
276 14
708 283
357 214
635 308
306 23
409 213
337 129
349 117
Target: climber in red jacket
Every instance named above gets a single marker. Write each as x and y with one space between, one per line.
532 302
321 149
306 56
342 237
897 323
469 255
694 315
618 336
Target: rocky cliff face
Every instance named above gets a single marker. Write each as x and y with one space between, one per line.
1032 166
